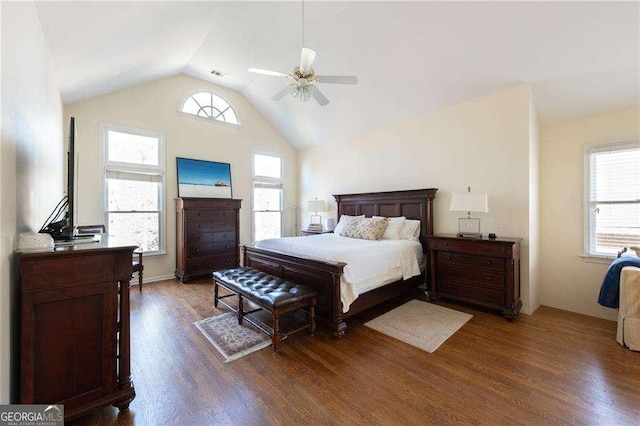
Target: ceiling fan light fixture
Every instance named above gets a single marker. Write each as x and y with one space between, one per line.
301 91
304 77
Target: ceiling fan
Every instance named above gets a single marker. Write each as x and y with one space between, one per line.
304 77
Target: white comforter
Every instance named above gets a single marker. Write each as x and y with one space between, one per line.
370 264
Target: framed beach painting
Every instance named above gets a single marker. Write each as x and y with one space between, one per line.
203 179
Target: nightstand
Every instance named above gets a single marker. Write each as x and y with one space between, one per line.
479 271
305 232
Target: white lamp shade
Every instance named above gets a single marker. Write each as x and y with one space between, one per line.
317 206
469 202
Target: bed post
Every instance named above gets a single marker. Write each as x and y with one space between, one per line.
338 325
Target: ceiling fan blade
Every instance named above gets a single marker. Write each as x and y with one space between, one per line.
281 93
267 72
306 59
337 79
322 100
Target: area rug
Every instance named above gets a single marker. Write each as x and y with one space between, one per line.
423 325
232 340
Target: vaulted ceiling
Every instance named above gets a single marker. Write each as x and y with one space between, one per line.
411 58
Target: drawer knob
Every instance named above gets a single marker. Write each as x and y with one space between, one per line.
489 262
227 247
445 244
489 294
487 278
487 248
449 257
197 250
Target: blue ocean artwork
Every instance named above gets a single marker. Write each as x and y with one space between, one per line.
198 172
200 178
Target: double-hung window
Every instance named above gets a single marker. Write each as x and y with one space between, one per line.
134 187
612 194
267 196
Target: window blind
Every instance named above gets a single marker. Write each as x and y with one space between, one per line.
613 197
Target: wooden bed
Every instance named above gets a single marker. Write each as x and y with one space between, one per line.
324 276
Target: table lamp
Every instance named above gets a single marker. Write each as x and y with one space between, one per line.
316 206
469 227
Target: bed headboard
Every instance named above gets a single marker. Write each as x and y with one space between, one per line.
413 204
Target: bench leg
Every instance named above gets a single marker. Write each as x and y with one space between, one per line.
276 330
215 294
240 309
312 316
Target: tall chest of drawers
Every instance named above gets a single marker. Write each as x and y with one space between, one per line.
481 271
207 236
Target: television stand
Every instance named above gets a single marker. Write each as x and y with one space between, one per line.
75 333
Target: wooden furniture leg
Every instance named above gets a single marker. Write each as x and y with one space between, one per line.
277 338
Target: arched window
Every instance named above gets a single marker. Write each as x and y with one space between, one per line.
210 106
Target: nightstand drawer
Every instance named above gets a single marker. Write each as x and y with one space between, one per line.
483 278
490 263
480 247
461 291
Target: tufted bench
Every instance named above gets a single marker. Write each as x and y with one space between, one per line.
270 293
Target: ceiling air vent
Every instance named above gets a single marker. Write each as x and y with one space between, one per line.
217 73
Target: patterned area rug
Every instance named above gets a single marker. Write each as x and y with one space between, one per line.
232 340
423 325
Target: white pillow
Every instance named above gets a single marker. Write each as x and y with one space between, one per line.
343 222
410 230
393 228
629 253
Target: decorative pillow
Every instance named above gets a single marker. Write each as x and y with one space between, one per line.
393 228
367 228
629 252
410 230
342 224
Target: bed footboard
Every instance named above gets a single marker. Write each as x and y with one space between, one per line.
321 275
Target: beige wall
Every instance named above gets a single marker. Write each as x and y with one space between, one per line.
153 107
31 161
483 143
534 208
567 281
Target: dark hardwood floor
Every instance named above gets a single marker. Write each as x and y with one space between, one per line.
552 367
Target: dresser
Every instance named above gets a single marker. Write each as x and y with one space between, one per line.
74 327
207 236
482 271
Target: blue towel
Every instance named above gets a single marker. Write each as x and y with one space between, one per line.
610 290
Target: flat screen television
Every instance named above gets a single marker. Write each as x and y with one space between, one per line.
61 223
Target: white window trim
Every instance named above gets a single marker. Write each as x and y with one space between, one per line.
121 166
266 179
586 255
192 92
